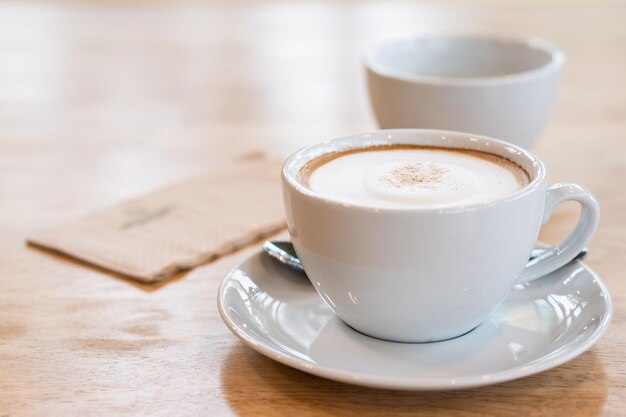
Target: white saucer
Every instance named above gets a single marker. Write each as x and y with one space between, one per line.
540 325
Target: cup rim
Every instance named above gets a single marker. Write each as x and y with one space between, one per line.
296 161
556 60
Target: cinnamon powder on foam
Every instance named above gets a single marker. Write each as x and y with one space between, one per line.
415 173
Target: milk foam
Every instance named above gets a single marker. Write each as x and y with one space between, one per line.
420 177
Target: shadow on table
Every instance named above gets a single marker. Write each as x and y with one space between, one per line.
63 257
148 287
256 385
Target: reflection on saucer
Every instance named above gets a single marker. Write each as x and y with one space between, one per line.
540 325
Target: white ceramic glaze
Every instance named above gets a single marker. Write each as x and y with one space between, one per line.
417 274
489 85
540 325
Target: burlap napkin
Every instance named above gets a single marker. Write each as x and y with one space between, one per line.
153 237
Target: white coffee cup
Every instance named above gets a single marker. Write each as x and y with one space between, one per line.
422 275
487 85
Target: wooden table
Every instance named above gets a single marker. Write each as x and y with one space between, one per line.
106 101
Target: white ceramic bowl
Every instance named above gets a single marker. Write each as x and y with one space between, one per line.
488 85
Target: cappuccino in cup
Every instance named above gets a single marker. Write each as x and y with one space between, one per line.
413 176
417 235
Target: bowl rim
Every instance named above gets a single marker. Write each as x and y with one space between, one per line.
555 62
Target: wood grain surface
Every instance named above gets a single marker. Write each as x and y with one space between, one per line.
103 101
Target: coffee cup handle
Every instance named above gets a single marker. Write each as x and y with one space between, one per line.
558 256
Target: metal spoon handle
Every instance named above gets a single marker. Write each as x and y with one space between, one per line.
284 252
